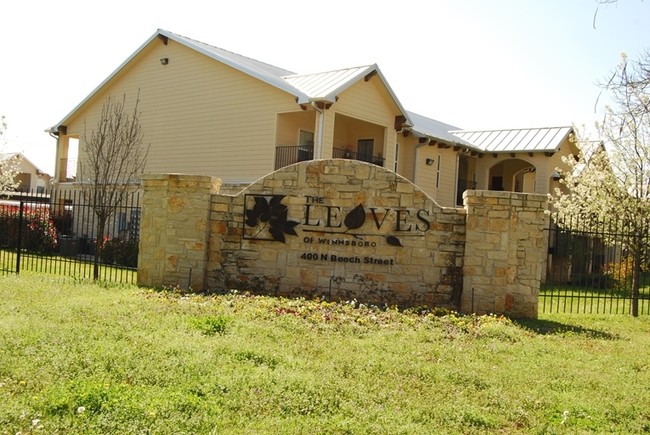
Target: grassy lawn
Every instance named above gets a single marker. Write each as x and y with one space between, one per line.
84 358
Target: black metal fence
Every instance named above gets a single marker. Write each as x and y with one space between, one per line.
56 232
593 266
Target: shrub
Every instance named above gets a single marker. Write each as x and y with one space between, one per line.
621 272
120 252
38 230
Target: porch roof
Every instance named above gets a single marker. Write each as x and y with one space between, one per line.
438 131
326 86
547 139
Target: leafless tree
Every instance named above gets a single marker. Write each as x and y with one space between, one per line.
112 158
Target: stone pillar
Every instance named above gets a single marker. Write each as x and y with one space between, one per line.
505 252
174 230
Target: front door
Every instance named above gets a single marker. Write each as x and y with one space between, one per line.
365 149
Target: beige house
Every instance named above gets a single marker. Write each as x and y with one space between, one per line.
208 111
29 177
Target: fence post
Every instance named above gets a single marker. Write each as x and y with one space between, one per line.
19 244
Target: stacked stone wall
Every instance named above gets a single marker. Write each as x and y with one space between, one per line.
174 230
505 252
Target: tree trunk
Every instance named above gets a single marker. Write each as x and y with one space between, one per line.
636 278
99 245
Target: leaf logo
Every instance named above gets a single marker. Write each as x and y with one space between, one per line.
393 241
274 215
356 218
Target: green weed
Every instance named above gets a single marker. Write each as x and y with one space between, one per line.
211 325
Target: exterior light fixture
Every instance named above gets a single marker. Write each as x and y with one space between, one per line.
429 162
164 60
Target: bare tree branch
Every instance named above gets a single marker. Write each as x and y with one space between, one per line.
114 157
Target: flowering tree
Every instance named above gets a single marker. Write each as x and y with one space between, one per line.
112 158
8 164
612 181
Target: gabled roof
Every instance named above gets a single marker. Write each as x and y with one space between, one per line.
437 130
22 158
546 139
326 86
306 88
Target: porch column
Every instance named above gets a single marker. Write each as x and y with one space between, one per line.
61 159
327 134
389 155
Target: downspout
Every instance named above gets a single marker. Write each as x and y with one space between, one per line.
318 151
415 164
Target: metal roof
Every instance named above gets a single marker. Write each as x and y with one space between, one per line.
325 85
547 139
437 130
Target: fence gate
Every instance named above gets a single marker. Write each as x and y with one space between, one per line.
590 268
56 233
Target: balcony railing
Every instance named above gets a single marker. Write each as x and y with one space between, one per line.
285 156
463 185
288 155
339 153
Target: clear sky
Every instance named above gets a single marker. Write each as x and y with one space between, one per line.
470 63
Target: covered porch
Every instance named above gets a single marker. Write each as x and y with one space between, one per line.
346 138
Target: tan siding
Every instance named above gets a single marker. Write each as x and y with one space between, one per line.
368 101
426 175
200 116
406 159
